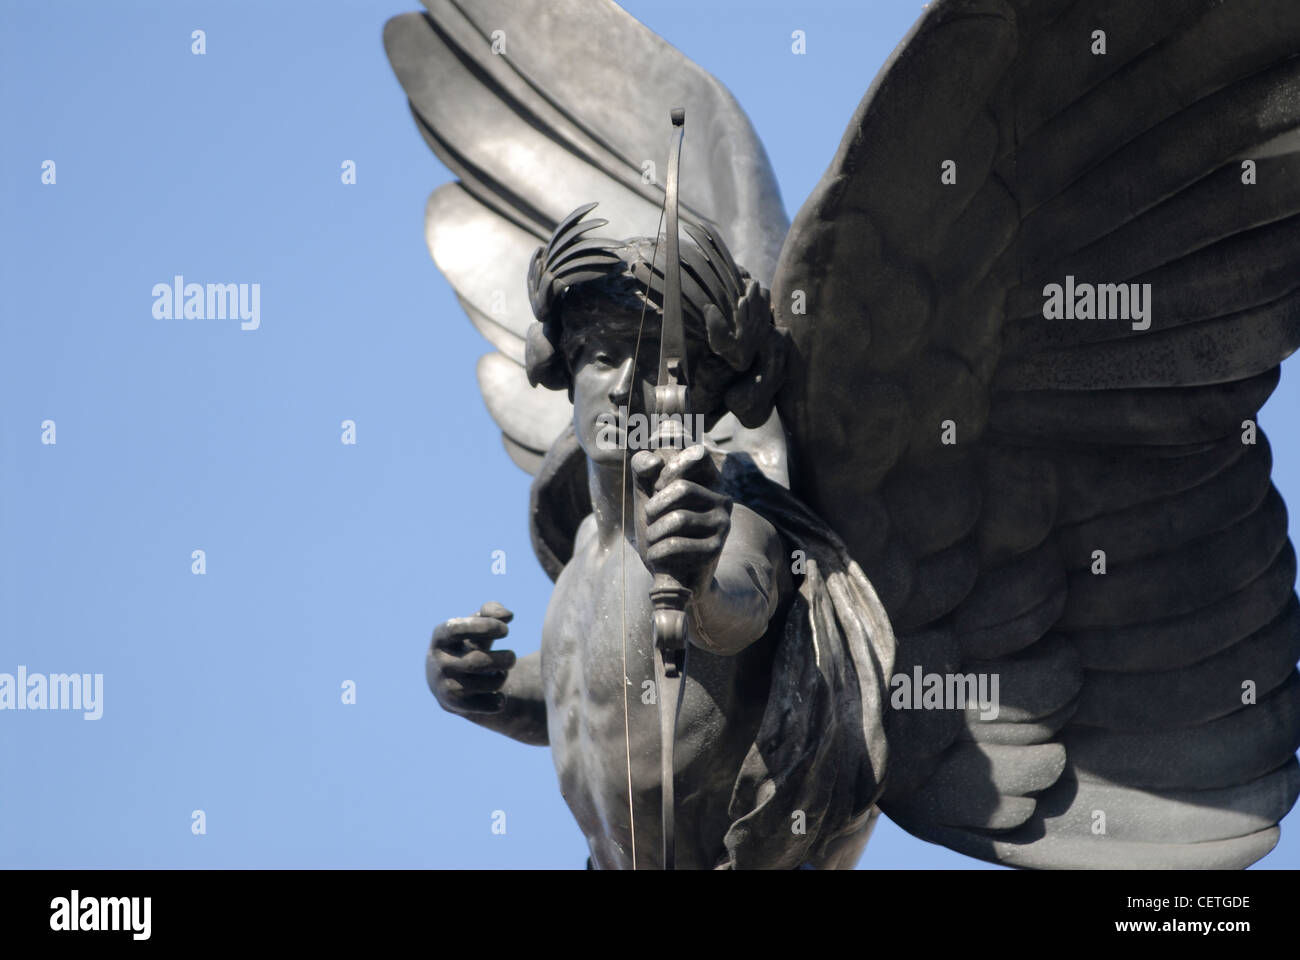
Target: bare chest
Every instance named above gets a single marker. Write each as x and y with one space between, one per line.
603 710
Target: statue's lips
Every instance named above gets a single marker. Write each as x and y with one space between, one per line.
611 437
615 420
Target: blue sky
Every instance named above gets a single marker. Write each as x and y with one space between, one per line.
325 563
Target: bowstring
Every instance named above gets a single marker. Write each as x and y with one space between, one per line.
636 352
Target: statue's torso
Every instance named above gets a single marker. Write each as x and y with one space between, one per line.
582 677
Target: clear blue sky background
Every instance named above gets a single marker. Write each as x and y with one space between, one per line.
325 562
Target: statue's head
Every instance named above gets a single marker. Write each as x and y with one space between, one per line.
592 297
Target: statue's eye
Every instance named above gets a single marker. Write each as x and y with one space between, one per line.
603 358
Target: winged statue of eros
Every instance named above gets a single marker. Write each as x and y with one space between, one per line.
992 395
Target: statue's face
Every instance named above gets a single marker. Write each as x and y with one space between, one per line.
603 382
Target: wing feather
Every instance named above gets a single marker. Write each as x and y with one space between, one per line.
1160 687
538 108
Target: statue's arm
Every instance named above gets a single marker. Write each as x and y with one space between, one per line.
748 586
490 687
523 714
730 558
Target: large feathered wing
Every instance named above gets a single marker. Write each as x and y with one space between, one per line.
539 107
985 465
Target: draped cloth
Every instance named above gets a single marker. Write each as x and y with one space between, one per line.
806 791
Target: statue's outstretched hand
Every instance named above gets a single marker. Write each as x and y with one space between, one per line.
464 673
687 516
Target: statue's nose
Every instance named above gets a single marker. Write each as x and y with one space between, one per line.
622 388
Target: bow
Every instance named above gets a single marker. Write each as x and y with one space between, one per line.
669 437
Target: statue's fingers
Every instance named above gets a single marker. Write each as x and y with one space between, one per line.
689 523
677 547
646 465
475 661
694 463
456 698
450 689
497 611
464 684
486 702
646 461
479 631
682 495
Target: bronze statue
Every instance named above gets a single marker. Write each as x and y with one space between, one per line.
984 412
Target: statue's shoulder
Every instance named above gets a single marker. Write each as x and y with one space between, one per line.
582 538
559 503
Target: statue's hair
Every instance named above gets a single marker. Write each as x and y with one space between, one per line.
578 283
